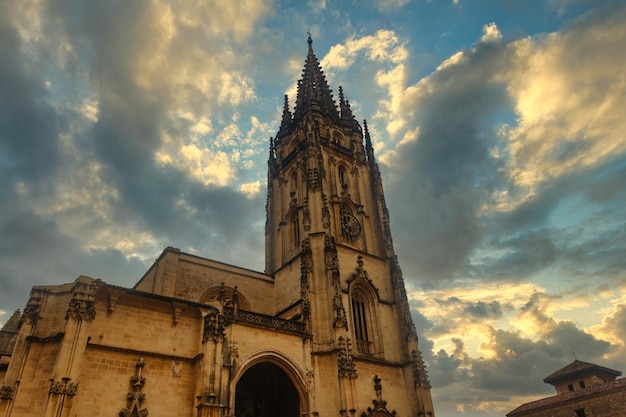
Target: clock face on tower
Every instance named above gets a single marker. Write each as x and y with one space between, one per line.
350 225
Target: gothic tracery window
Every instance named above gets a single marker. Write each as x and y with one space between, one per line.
361 322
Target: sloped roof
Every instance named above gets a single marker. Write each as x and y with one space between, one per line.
570 397
578 368
8 332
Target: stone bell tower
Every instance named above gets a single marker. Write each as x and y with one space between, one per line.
325 331
329 248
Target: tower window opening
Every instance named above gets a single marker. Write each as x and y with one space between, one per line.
360 320
581 384
294 182
580 412
343 178
295 224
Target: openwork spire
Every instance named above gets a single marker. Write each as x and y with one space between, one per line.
286 121
369 149
313 90
344 105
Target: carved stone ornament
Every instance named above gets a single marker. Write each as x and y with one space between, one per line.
64 387
83 305
177 368
331 260
233 351
361 273
215 324
420 375
269 322
81 309
350 226
31 311
307 261
330 254
345 365
136 397
380 405
340 312
306 218
340 319
7 392
314 181
306 267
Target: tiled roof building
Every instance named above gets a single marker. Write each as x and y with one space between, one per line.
583 390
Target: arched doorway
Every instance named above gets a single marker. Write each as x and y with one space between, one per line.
265 390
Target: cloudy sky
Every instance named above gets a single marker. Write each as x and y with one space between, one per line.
128 126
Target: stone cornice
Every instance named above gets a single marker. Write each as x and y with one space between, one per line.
100 346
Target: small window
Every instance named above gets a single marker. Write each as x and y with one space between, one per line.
294 183
343 178
582 384
295 224
570 387
580 412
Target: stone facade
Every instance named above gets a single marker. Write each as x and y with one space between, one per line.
324 331
583 390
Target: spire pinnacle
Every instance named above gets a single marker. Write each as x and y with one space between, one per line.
313 90
369 148
344 106
286 121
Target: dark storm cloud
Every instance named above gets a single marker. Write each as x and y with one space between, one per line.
517 362
33 251
453 149
29 156
472 310
443 177
29 125
449 368
526 253
481 310
509 360
615 325
601 256
563 336
128 133
529 238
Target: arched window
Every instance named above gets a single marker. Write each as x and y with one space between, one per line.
363 322
343 178
364 314
360 319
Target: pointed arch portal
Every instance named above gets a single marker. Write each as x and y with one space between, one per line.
265 390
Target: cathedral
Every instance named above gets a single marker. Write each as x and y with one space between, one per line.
324 331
